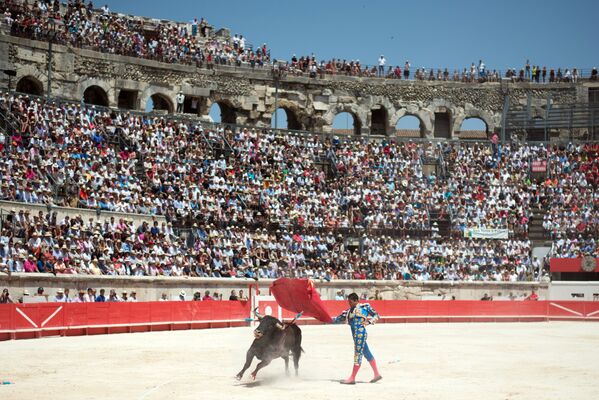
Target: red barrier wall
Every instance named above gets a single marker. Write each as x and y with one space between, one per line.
462 311
19 321
71 319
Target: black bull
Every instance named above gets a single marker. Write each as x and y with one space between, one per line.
273 340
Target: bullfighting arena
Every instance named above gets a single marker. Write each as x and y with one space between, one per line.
549 360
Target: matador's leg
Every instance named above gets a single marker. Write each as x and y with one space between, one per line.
368 354
359 341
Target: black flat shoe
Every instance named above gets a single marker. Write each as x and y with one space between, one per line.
376 379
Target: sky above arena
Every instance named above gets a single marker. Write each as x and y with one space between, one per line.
431 34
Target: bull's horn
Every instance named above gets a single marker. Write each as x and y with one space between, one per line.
280 326
257 314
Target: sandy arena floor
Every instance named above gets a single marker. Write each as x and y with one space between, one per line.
418 361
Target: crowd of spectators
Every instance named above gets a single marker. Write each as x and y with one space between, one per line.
489 188
44 243
269 178
571 196
495 189
81 25
575 247
92 295
270 189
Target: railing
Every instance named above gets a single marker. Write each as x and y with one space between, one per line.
9 128
442 163
574 116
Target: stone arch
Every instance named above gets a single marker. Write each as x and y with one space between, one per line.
444 113
163 93
356 126
99 87
424 115
32 74
161 102
295 115
196 105
95 95
485 116
128 99
30 85
358 114
484 123
228 111
379 120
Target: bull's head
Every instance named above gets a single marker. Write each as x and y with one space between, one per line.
267 326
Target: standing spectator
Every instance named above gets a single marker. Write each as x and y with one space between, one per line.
495 143
406 70
182 295
382 62
163 297
124 297
527 70
194 27
180 100
233 296
242 297
101 298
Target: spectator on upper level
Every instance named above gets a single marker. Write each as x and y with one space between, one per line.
381 62
180 100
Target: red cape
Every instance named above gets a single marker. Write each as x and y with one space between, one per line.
300 295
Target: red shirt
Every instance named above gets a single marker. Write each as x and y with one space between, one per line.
30 266
533 297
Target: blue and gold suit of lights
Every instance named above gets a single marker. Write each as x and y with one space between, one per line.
356 317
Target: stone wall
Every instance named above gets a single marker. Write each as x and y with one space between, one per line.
85 213
151 288
250 94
